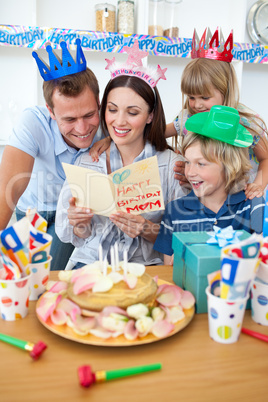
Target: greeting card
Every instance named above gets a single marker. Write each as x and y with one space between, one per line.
134 189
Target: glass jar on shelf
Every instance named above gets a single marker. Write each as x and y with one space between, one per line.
171 16
125 16
156 17
105 17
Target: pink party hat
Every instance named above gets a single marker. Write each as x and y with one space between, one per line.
134 66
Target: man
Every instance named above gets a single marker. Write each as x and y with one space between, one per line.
31 173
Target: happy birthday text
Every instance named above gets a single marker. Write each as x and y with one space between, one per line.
16 35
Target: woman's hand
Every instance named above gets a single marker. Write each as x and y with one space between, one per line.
80 218
135 225
99 147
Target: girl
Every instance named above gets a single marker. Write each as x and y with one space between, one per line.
132 114
216 166
206 83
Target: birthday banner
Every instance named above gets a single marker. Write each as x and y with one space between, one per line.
36 38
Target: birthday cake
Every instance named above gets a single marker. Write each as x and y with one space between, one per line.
123 292
109 303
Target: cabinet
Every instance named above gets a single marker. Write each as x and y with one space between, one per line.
21 85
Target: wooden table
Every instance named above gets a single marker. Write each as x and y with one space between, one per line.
195 368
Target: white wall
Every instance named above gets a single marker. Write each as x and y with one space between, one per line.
21 85
228 14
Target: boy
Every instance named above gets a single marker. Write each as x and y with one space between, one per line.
216 165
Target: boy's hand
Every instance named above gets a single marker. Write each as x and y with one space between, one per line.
99 147
253 190
179 174
168 259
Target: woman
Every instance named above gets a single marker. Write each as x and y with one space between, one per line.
132 114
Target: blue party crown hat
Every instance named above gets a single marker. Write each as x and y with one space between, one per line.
59 68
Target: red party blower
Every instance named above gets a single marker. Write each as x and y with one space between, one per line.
257 335
88 377
35 349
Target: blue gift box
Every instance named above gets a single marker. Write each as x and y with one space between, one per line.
194 259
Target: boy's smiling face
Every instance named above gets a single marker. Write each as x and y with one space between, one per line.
206 178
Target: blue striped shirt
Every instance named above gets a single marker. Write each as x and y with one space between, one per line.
187 214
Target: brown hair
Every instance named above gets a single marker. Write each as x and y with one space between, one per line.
154 132
233 159
71 85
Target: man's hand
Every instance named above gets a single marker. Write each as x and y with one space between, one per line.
15 173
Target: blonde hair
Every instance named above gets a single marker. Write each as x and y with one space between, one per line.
200 76
234 160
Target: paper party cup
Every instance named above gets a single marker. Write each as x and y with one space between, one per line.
14 297
225 317
262 273
40 245
40 275
259 302
237 275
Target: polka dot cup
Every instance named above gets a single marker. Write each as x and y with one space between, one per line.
262 273
14 298
40 275
225 317
259 303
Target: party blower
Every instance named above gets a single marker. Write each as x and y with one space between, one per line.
35 349
257 335
87 377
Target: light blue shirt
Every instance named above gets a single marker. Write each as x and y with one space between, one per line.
38 135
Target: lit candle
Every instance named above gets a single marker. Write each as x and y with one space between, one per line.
116 256
112 259
100 253
125 262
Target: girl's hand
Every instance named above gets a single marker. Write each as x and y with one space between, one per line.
80 218
253 190
179 174
99 147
